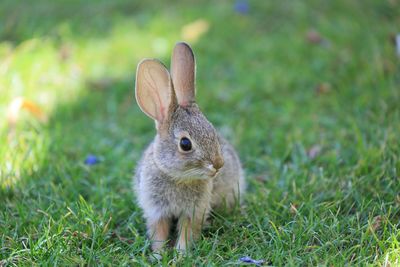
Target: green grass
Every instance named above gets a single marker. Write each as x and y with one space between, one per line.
258 80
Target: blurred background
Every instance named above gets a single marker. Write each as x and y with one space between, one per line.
307 91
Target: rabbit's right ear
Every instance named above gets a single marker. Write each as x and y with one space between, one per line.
183 72
153 89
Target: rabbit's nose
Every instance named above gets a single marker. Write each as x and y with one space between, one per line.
218 163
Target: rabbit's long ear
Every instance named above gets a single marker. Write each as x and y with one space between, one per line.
183 74
153 89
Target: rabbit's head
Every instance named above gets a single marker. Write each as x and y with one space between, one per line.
186 146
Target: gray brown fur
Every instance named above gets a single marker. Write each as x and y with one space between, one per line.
173 184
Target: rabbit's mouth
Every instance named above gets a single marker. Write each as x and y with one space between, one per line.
199 173
212 172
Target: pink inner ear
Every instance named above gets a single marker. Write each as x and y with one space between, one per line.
162 115
160 109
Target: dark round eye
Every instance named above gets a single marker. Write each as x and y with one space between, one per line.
185 144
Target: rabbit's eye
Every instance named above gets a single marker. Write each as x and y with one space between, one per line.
185 144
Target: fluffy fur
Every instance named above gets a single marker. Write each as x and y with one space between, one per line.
173 184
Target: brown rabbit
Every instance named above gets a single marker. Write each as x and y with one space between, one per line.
187 169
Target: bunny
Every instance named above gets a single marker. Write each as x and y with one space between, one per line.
188 168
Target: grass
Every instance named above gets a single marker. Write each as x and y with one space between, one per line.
316 124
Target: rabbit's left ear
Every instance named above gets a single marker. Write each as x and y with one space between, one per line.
153 89
183 73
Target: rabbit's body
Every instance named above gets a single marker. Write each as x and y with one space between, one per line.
187 169
229 185
161 195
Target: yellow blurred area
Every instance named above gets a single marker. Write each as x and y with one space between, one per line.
19 104
193 31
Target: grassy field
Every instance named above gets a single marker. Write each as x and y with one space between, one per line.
307 91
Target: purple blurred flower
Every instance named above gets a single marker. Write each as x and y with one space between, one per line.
91 160
250 260
242 7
